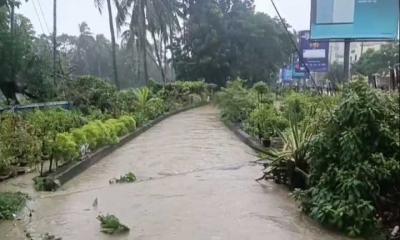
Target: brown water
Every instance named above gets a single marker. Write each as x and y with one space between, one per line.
196 183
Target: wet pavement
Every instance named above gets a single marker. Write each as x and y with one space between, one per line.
196 182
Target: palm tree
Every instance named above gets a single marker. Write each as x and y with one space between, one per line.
99 4
162 29
154 16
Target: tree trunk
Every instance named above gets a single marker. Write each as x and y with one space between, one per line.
12 30
114 49
143 41
171 42
54 42
159 63
165 60
137 62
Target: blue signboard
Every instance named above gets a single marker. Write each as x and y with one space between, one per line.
286 74
315 55
354 19
298 72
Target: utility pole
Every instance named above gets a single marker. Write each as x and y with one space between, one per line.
346 61
12 30
55 43
114 55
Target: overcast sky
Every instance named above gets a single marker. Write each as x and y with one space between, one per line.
73 12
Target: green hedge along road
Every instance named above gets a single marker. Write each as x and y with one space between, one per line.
195 181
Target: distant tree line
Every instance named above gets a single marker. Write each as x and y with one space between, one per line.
163 40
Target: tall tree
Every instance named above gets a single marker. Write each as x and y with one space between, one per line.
153 16
100 4
379 61
31 68
225 39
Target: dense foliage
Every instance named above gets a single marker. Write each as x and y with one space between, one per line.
11 204
343 151
93 135
102 115
265 122
355 163
23 69
19 146
236 101
224 40
372 62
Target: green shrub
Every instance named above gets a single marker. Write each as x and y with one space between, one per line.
79 136
117 127
47 124
155 108
178 93
126 101
147 107
18 144
355 163
265 121
11 204
121 126
186 88
296 105
95 134
87 92
110 224
236 102
262 90
98 134
129 122
66 148
54 121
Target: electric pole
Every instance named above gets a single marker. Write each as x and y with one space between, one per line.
55 43
13 42
346 62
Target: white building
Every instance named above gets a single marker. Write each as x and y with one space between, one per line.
336 50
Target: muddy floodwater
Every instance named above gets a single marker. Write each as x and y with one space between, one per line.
196 182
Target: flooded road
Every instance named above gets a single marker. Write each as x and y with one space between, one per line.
196 182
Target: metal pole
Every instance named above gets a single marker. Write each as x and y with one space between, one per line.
294 44
13 41
55 42
346 62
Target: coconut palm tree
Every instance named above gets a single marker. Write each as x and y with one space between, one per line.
154 16
100 4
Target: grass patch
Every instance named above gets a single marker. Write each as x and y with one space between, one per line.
11 204
110 224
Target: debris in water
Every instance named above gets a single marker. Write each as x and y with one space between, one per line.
110 224
127 178
46 236
95 203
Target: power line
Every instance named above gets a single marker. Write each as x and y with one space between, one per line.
45 21
294 44
38 17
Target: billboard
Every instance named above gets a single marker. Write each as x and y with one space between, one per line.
286 74
354 19
315 55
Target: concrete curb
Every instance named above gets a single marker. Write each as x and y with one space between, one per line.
254 144
70 171
245 138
